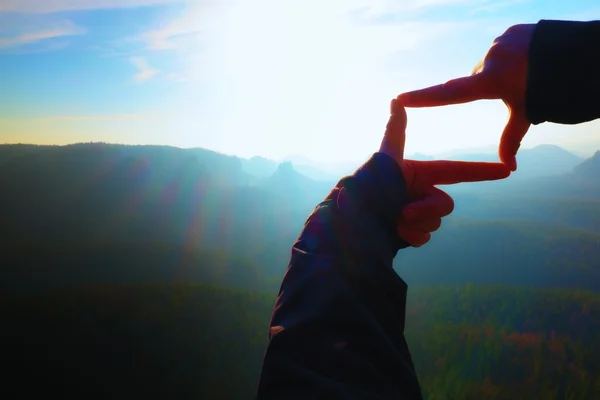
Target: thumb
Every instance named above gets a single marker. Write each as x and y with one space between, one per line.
513 134
394 138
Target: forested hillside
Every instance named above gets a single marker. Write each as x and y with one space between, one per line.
150 272
182 340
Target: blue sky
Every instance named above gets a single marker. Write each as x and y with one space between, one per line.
262 77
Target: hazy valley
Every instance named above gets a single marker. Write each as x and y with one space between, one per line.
148 251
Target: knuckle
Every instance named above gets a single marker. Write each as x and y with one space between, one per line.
423 240
449 205
417 244
514 29
495 51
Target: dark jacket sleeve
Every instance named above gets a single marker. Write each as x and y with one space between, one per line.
337 328
563 82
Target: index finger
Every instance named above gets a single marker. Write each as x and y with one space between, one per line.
456 91
441 172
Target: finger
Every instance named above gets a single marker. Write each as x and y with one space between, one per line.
394 138
455 91
414 238
435 205
441 172
425 225
514 132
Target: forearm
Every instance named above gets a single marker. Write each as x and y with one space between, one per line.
563 82
337 326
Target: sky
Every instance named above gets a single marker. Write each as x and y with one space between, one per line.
258 77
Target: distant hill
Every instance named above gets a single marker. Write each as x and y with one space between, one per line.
568 200
259 167
420 156
510 252
144 192
290 184
589 170
197 200
321 171
555 207
542 160
541 179
317 173
452 154
127 233
545 160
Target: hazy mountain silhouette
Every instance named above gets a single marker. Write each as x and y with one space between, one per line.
291 184
199 199
452 154
420 156
102 248
542 160
589 170
259 167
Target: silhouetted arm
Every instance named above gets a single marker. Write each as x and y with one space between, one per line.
337 327
563 80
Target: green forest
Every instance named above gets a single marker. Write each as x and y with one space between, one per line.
151 272
183 340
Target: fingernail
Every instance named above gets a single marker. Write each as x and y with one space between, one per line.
392 106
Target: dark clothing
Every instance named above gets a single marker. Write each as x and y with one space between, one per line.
563 82
337 329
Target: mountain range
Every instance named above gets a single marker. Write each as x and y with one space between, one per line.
144 265
206 203
542 160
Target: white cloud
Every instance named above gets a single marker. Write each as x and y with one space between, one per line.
169 38
267 31
97 118
491 7
175 77
202 18
51 6
186 29
145 71
64 28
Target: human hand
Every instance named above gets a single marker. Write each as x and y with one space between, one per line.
502 74
429 204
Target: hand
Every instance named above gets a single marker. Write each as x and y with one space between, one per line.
429 204
502 74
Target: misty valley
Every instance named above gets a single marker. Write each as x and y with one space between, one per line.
151 272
